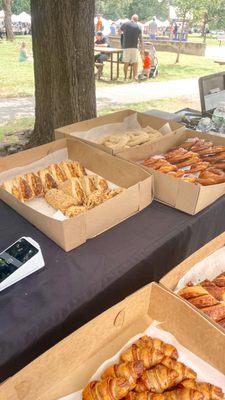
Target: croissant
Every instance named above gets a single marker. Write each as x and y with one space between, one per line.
209 391
157 380
59 200
177 394
107 389
148 342
13 188
72 187
129 370
35 183
47 180
26 191
149 357
183 371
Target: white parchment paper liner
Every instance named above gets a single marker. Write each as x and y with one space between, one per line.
208 268
129 123
205 372
40 204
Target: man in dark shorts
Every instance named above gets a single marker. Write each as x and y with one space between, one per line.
132 36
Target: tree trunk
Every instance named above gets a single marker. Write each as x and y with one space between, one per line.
180 41
63 49
6 5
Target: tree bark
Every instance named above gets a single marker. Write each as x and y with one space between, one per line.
63 49
6 5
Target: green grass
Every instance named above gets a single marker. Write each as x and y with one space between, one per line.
16 79
12 127
211 40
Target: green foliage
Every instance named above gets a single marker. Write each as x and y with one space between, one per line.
19 6
146 9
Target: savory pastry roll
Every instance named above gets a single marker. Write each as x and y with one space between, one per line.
72 169
13 188
47 180
100 183
94 199
88 184
57 173
59 200
35 183
72 187
26 191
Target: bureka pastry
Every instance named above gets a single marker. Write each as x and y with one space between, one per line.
177 394
35 183
59 200
13 188
72 187
209 391
25 189
58 173
183 371
47 180
148 342
149 357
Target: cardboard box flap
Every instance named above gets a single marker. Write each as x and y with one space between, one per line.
67 366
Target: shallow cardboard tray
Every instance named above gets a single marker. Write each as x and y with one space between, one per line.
171 279
73 232
184 196
143 119
67 366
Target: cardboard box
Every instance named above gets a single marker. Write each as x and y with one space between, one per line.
184 196
73 232
113 118
68 366
171 279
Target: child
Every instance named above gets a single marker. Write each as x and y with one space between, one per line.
23 56
146 65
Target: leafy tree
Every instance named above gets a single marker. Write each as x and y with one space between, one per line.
19 6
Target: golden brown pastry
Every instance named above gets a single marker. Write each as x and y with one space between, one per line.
26 191
156 380
216 312
73 211
100 183
88 184
198 167
35 183
189 292
72 169
203 301
194 159
107 389
183 371
94 199
165 348
72 187
167 168
58 174
217 292
129 370
209 391
13 188
216 157
220 280
177 394
152 160
47 180
149 357
59 200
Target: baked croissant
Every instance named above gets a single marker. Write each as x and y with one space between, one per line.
149 357
209 391
129 370
107 389
177 394
157 380
183 371
167 349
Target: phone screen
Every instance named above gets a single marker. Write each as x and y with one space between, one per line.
14 257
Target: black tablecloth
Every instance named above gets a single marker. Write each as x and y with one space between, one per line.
74 287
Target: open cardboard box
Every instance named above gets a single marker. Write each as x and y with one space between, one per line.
73 232
114 118
68 366
184 196
171 279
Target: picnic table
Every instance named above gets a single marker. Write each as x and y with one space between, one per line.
111 51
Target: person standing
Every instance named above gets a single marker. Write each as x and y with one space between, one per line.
153 29
132 36
99 25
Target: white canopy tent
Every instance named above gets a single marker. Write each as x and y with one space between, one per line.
2 14
106 25
24 18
